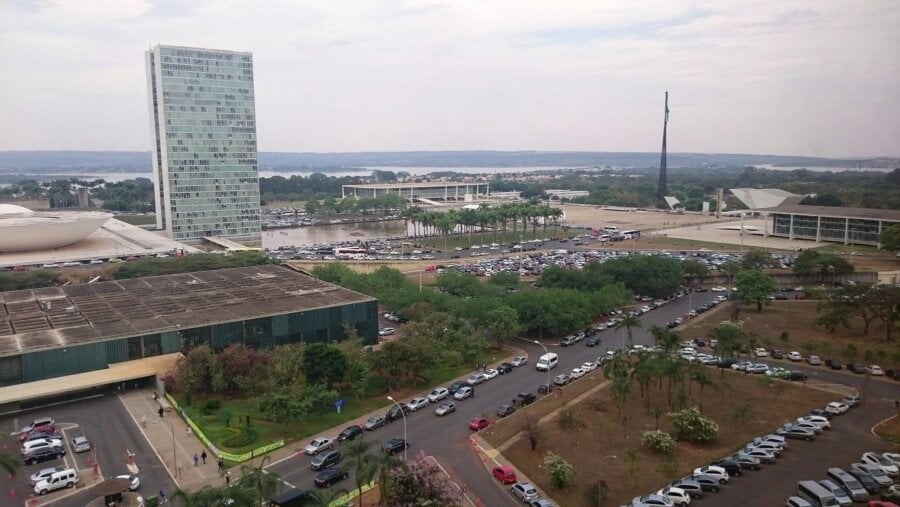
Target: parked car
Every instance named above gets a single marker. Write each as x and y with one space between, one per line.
396 412
373 422
349 433
653 500
814 360
30 445
866 480
522 399
464 392
707 482
437 394
445 408
456 386
318 445
761 352
134 482
690 487
576 373
540 502
562 379
417 403
504 474
475 379
678 496
856 368
840 495
45 473
893 373
836 407
777 354
794 356
731 466
65 479
822 412
713 471
330 476
875 472
796 376
81 444
326 459
42 454
797 501
524 491
547 388
520 361
852 401
479 423
505 410
821 422
568 341
834 364
875 459
505 368
747 461
762 455
875 370
395 445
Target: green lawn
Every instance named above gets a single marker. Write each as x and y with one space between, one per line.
237 410
664 241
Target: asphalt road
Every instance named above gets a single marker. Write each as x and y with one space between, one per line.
111 430
446 438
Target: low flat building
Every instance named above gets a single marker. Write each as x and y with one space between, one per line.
63 331
566 194
420 192
850 226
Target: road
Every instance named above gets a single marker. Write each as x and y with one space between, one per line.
446 438
111 430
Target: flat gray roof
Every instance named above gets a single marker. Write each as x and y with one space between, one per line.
836 211
55 317
436 184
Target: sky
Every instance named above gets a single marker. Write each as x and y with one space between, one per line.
787 77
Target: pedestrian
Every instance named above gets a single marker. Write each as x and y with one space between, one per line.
187 430
221 465
155 396
162 497
227 478
160 411
203 456
196 459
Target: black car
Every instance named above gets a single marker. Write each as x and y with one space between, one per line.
777 354
325 459
523 399
707 482
593 341
395 445
457 385
547 388
505 410
731 466
726 362
867 482
505 368
349 433
330 476
700 342
396 412
856 368
43 454
833 364
892 373
797 376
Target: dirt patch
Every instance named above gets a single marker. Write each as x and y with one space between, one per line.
798 320
890 430
625 219
600 434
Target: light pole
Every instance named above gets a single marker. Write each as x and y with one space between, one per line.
600 490
548 364
174 452
403 413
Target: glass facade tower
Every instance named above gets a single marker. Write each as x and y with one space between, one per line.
203 120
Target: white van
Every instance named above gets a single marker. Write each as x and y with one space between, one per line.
610 228
547 361
65 479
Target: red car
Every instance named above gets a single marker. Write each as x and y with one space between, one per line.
479 423
506 475
43 428
881 503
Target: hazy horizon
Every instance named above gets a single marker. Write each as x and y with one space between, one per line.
793 78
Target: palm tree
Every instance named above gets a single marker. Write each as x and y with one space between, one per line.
665 338
384 463
261 483
209 495
703 379
629 322
362 462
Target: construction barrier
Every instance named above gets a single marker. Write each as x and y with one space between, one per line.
236 458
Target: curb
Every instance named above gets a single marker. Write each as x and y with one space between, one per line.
879 423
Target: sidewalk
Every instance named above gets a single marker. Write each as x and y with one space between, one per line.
159 432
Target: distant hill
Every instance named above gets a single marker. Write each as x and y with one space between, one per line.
136 161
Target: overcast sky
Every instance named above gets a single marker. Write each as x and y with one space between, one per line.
791 77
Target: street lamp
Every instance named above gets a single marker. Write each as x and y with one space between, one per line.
599 490
174 452
548 364
403 413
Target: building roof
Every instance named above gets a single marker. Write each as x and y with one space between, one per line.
418 185
836 211
56 317
756 198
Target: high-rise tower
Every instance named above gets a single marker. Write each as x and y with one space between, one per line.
662 190
203 119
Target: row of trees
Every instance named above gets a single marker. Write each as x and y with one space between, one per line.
867 302
383 204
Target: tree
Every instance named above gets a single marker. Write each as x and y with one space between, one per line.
890 238
504 325
358 457
532 430
325 363
11 464
756 258
629 322
420 481
754 286
256 479
742 414
731 269
694 269
647 275
689 424
561 472
702 379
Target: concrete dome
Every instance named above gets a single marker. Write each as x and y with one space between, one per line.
24 230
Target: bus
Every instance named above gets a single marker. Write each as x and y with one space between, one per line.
350 252
632 234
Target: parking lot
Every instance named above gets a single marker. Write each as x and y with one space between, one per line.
112 433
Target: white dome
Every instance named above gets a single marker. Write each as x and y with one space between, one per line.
12 209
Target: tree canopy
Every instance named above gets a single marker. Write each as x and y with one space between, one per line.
754 286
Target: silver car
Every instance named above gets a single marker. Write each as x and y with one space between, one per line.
81 444
445 408
44 474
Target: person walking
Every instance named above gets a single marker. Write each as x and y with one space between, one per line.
162 497
227 479
221 465
187 430
160 411
203 456
196 459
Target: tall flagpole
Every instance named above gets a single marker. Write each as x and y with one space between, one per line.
661 192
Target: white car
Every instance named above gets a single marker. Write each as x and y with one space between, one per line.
794 356
385 331
489 373
761 352
818 420
318 445
417 403
519 361
475 379
715 471
463 393
438 394
885 464
41 442
589 366
875 370
577 373
133 481
837 408
45 473
679 497
718 288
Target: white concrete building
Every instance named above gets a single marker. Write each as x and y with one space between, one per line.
203 121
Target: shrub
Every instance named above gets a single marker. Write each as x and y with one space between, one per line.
239 437
568 421
561 471
210 406
659 441
693 426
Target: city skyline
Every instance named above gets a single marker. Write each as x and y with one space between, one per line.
792 78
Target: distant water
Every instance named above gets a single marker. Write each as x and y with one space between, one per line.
827 169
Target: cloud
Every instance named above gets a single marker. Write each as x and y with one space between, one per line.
797 77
